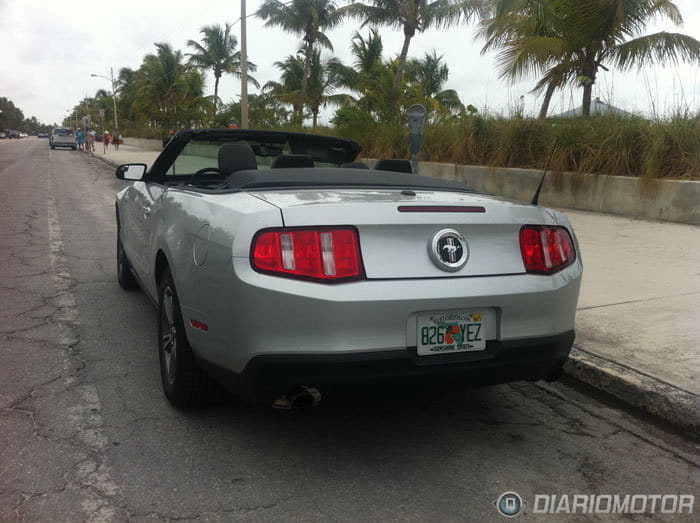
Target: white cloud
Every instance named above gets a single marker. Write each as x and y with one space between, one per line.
49 52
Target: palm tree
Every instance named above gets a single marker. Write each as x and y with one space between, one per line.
533 24
322 82
412 16
217 52
569 41
169 92
368 57
126 87
307 18
370 78
431 73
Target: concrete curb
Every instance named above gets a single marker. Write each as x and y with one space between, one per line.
105 159
676 406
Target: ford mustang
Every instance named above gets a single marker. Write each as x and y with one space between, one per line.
281 268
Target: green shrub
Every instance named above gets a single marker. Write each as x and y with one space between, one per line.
605 144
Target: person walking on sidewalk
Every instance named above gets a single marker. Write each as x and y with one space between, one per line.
81 138
105 141
90 141
117 139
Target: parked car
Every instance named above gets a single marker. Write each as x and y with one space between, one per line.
42 135
281 269
63 137
3 136
14 134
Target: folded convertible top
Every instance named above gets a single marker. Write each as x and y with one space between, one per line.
337 177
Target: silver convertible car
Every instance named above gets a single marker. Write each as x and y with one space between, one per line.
282 269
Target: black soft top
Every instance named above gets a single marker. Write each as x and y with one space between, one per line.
336 177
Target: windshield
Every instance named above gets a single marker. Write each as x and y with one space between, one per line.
205 154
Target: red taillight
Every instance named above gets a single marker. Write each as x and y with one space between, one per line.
323 254
546 249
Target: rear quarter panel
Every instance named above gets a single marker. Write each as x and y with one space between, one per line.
197 232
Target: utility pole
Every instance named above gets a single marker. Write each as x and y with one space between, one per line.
244 69
114 97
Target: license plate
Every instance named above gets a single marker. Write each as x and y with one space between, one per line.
443 333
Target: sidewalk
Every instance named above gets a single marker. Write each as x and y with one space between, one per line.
125 154
638 320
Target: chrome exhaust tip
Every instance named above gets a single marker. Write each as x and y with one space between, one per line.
298 398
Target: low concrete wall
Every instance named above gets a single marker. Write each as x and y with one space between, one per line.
143 143
666 200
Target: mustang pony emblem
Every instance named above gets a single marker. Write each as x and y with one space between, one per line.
451 249
448 249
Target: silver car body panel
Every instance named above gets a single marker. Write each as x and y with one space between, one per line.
207 239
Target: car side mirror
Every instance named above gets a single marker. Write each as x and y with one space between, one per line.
131 171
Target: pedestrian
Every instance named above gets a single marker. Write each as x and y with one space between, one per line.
89 141
94 139
105 141
81 138
117 139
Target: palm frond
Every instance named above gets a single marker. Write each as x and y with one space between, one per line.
657 48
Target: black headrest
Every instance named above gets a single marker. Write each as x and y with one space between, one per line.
399 166
354 165
236 157
292 160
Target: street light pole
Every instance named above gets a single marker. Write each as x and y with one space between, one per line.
114 93
244 69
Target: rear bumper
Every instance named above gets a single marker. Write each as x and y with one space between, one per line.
268 375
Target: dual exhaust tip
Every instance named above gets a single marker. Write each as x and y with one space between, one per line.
298 398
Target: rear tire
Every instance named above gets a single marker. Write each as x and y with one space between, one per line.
125 277
184 383
75 148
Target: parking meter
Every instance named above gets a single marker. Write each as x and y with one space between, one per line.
416 120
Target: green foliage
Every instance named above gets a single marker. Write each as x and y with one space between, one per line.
170 93
412 16
605 144
266 112
308 19
567 42
217 52
12 118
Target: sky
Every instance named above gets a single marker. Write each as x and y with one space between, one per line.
48 53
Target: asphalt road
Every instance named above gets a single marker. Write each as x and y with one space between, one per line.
85 432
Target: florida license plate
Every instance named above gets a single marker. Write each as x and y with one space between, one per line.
443 333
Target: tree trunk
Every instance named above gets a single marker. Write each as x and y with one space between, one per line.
590 72
305 79
216 92
315 117
547 98
408 34
586 105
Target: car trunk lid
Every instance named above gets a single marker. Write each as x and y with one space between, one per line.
396 243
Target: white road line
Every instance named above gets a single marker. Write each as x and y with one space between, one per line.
94 473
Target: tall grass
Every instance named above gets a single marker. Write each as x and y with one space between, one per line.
605 144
